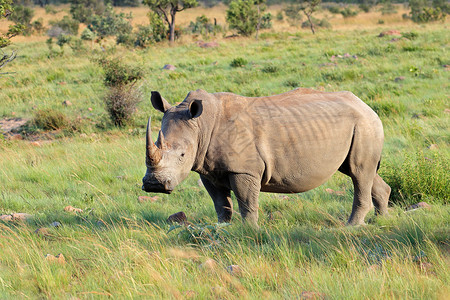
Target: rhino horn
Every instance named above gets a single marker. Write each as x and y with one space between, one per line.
153 153
162 144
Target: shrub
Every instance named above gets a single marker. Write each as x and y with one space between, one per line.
280 16
38 26
388 8
83 10
22 15
293 15
423 11
121 103
242 15
238 62
110 23
410 35
266 21
118 73
270 69
422 175
203 26
50 9
50 119
348 12
66 26
87 35
317 23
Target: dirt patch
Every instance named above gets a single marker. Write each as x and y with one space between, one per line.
11 125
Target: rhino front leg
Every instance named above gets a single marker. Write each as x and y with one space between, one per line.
246 188
222 200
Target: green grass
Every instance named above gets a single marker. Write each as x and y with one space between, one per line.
122 248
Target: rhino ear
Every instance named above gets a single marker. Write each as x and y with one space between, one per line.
196 108
159 102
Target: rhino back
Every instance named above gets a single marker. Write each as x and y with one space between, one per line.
294 141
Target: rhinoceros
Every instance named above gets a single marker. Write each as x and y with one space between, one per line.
287 143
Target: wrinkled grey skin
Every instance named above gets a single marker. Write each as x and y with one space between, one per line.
287 143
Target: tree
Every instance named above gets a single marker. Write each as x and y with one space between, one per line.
168 10
242 15
309 7
6 10
423 11
83 10
110 23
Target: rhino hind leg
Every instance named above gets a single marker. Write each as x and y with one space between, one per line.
222 200
380 195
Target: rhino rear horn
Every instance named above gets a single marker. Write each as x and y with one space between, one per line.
153 153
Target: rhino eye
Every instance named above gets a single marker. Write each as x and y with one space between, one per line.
182 154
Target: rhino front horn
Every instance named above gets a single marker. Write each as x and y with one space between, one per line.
153 153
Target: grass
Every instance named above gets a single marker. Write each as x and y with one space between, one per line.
121 248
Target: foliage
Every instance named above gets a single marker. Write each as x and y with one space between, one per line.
83 10
292 12
422 176
210 235
121 103
348 12
87 35
266 21
238 62
127 3
66 25
118 73
22 16
321 23
424 11
167 10
6 10
50 119
242 15
159 30
203 26
279 16
410 35
388 8
110 23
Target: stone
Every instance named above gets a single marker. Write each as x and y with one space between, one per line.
390 32
20 216
142 199
419 205
60 259
89 108
67 103
399 78
6 218
234 270
433 147
312 295
70 208
55 224
179 217
169 67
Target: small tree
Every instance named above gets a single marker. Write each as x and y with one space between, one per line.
309 7
168 10
110 23
22 16
83 10
6 10
423 11
242 15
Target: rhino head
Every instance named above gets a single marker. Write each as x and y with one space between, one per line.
172 157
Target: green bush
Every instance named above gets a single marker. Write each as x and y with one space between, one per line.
83 10
348 12
423 11
110 24
421 176
238 62
38 25
203 26
87 35
317 23
266 21
50 119
242 15
22 15
118 73
121 103
66 25
293 15
410 35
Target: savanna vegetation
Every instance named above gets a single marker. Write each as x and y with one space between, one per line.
76 163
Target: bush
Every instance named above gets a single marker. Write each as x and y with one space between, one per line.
293 15
110 23
83 10
118 73
266 21
238 62
87 35
242 15
348 12
66 25
280 16
50 119
121 103
317 23
422 175
410 35
423 11
38 26
22 15
203 26
388 8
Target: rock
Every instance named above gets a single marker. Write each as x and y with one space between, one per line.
419 205
35 144
67 103
312 295
446 67
400 78
55 224
73 209
234 270
433 147
142 199
169 67
20 216
83 135
200 183
179 217
89 108
56 259
15 137
331 191
5 218
42 231
390 32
